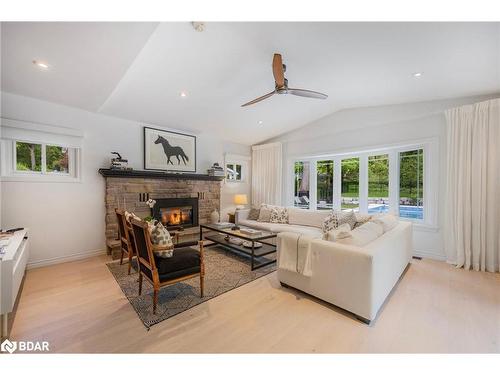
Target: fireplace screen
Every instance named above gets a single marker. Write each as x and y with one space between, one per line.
176 212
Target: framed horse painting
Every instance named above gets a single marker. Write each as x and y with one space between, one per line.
169 151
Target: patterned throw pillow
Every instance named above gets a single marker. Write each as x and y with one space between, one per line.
254 214
337 218
160 236
279 215
362 219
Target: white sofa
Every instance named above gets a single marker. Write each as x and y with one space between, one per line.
357 279
301 221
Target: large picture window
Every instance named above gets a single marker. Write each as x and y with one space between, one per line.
378 183
302 174
324 184
411 184
350 184
388 181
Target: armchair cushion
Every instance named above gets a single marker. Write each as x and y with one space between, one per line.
185 261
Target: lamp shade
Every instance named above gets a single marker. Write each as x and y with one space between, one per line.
240 199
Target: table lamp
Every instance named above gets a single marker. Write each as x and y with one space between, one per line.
239 200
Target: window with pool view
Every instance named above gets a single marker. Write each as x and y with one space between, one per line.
378 184
350 184
363 177
411 184
301 190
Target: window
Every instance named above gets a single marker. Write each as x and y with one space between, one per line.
57 159
32 161
378 183
391 179
236 167
411 184
40 158
324 184
234 172
28 157
350 184
31 152
301 197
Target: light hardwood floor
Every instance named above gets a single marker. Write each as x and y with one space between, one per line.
78 307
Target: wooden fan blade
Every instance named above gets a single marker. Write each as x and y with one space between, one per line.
259 99
307 93
279 75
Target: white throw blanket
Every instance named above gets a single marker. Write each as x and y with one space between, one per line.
295 253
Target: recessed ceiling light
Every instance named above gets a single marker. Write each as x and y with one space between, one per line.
260 122
183 94
417 74
41 64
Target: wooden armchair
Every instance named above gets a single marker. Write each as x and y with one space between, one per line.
127 245
186 263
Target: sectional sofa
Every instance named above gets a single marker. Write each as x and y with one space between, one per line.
353 277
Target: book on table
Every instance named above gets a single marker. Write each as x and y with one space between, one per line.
250 232
223 225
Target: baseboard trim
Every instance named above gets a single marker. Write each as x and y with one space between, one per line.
429 255
65 259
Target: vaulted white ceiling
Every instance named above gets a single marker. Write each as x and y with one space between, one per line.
136 71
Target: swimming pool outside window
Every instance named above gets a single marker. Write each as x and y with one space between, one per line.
378 183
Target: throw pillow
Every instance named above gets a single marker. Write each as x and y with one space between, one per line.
279 215
265 212
386 221
161 240
337 218
254 214
362 219
363 235
343 231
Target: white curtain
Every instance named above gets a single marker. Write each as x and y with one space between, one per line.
266 174
472 217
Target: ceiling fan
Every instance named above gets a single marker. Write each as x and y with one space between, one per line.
281 84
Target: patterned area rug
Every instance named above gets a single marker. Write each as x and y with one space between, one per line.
224 271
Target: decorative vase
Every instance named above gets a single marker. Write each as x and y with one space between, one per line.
214 217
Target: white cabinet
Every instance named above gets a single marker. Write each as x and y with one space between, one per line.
12 269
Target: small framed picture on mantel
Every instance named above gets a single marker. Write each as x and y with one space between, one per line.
169 151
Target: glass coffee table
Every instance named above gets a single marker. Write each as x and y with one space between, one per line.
257 253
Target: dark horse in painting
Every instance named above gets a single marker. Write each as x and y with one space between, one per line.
172 151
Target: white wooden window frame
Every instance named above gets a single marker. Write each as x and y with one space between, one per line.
234 159
431 177
19 131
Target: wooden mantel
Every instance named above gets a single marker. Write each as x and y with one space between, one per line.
155 174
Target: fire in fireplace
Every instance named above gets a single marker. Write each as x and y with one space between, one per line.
176 215
175 212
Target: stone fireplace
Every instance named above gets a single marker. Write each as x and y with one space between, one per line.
196 195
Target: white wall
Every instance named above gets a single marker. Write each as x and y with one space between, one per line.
66 220
365 128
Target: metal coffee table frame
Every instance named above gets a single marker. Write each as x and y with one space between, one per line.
256 253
